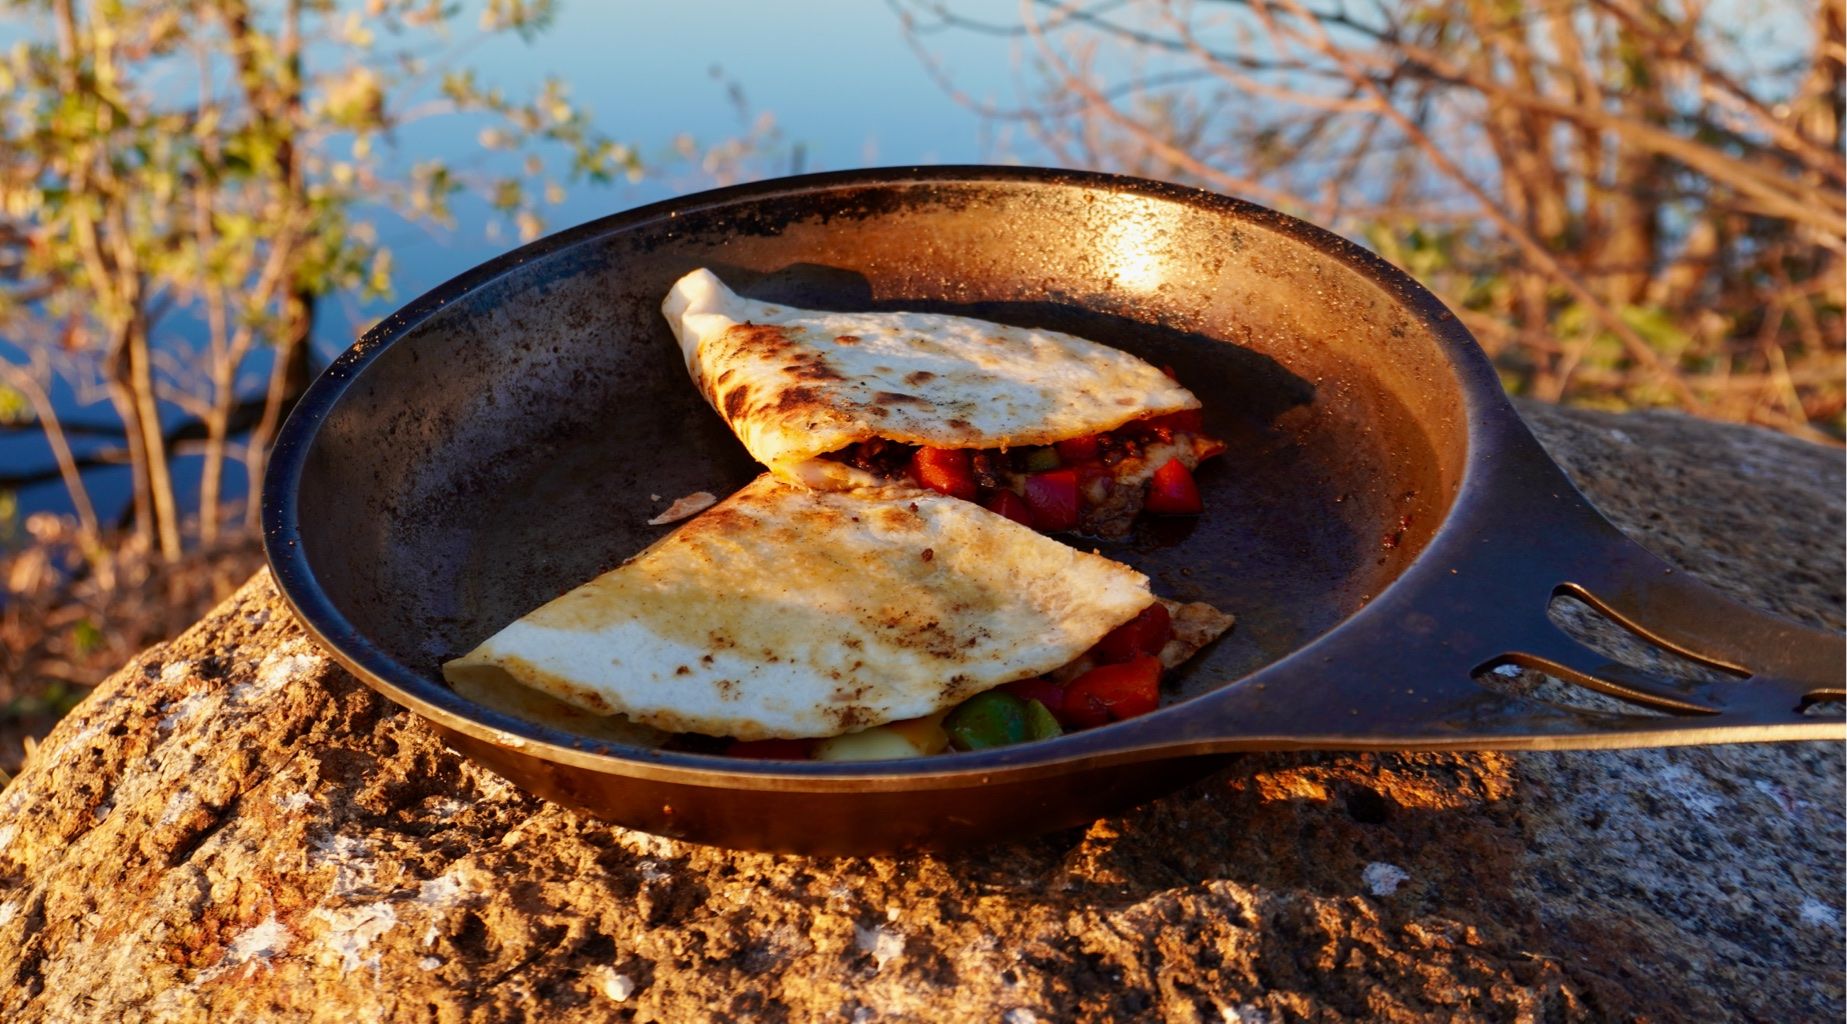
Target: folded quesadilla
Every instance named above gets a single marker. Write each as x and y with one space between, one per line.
785 616
786 612
1047 429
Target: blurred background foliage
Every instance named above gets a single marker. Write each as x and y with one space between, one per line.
1632 204
212 165
184 186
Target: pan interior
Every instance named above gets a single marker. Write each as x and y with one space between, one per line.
513 444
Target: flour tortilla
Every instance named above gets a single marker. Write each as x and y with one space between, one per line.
784 612
795 384
496 689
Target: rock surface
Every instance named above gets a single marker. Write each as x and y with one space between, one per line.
232 828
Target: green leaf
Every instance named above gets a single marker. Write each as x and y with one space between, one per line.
87 637
14 408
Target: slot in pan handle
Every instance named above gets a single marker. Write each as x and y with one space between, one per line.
1412 670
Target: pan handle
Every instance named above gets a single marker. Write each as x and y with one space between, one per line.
1751 668
1418 668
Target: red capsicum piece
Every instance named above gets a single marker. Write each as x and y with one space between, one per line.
1006 503
1042 690
1078 449
1166 425
944 470
1142 635
1172 491
1111 693
1052 496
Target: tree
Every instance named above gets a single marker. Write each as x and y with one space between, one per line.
1629 201
183 182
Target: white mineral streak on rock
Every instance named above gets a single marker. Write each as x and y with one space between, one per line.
351 861
1621 436
1019 1015
616 986
491 786
11 799
516 834
647 845
450 889
1383 879
76 741
293 802
177 804
180 710
350 930
428 963
8 911
254 946
281 666
1814 913
446 807
1788 802
264 939
173 673
1246 1014
881 942
7 832
1690 788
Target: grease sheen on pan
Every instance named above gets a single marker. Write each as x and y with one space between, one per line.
795 384
784 612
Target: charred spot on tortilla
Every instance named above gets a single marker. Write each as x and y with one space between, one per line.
814 369
735 400
759 339
896 398
796 399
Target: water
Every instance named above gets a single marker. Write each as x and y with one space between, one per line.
837 76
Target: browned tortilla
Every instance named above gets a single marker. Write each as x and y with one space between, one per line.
786 612
796 384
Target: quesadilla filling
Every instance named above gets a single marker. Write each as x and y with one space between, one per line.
1096 484
1118 679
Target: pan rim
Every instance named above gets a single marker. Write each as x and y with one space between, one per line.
1483 432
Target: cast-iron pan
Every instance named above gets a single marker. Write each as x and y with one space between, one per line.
1384 527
